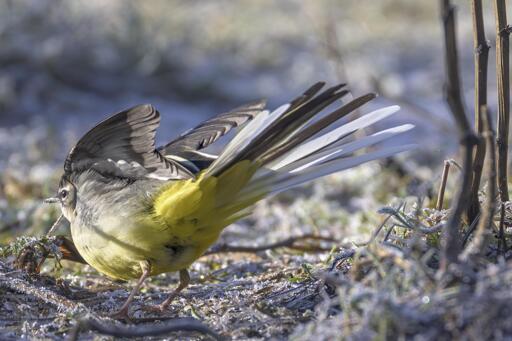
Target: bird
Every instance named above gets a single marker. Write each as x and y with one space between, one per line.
137 211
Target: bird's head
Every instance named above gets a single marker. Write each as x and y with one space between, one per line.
66 197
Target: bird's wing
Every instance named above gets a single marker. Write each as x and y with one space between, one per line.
124 145
211 130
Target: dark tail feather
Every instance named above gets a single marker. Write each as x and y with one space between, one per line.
288 149
277 130
308 132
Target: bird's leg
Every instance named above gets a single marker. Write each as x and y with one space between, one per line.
122 313
184 282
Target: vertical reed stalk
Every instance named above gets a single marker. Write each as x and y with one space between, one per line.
442 187
451 241
502 76
481 51
484 228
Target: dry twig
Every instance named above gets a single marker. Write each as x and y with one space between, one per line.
453 93
176 325
502 241
502 76
485 224
481 47
288 243
442 187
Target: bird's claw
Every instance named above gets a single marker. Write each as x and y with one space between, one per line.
122 315
154 308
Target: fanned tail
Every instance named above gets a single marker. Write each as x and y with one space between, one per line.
289 147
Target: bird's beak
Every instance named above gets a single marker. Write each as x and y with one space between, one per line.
53 200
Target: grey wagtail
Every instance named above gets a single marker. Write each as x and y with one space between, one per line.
137 211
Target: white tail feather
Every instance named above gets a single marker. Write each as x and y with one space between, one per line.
281 181
348 148
335 151
248 133
331 137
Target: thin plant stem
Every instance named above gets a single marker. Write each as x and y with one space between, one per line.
442 187
451 244
503 84
481 51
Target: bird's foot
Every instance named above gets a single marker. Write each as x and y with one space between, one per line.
155 308
122 315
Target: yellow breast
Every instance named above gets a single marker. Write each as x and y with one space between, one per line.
186 220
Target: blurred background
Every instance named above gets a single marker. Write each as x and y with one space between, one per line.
64 65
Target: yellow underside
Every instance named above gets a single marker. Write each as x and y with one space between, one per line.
188 216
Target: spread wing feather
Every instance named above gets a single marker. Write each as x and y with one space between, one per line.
211 130
124 145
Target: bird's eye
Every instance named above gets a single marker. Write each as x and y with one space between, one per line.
63 194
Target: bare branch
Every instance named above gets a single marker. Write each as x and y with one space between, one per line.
483 231
481 47
451 242
502 76
442 187
117 330
502 241
290 243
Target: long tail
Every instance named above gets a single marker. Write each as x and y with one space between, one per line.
290 147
